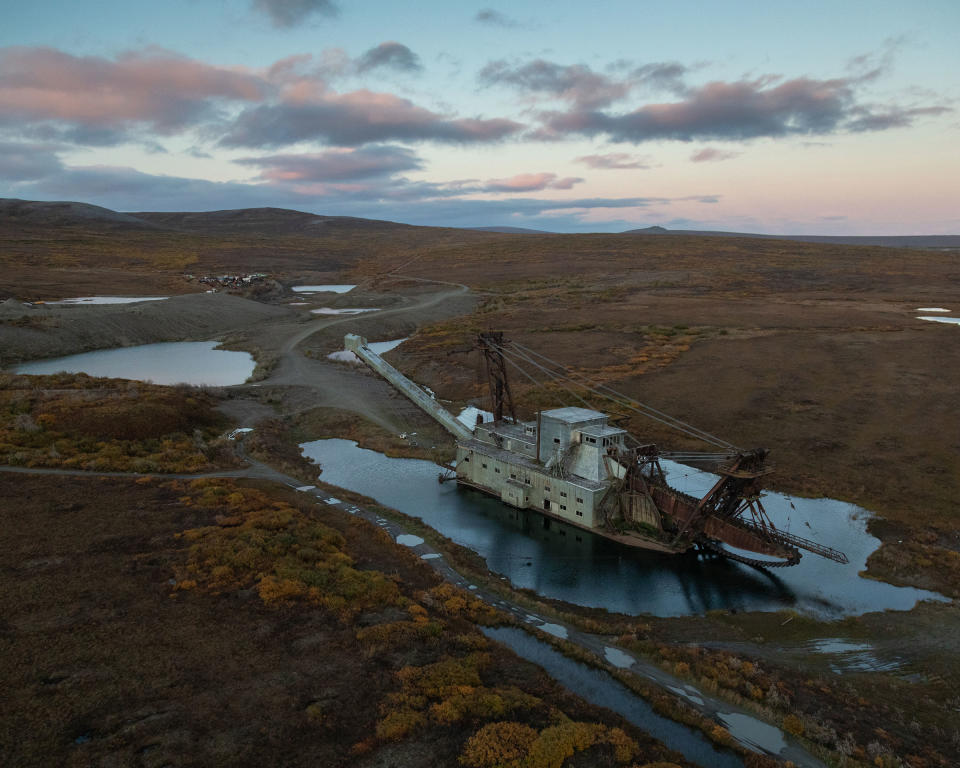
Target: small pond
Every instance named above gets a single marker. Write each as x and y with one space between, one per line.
571 564
108 300
345 311
323 288
186 362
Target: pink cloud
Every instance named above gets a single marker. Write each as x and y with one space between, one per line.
615 160
531 182
153 87
712 154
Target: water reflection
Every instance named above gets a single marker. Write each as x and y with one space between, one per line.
564 562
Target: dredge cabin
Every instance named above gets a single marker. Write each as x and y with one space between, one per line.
560 464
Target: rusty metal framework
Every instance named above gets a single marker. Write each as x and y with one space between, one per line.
490 343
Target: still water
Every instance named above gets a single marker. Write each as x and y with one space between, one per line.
323 288
569 564
601 689
108 299
187 362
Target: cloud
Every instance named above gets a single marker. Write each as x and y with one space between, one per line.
893 117
711 154
289 13
94 100
22 161
530 182
615 161
577 83
389 55
494 18
49 95
335 164
355 118
742 110
662 75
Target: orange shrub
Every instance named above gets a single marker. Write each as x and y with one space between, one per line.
498 744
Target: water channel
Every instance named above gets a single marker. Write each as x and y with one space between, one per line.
601 689
186 362
567 563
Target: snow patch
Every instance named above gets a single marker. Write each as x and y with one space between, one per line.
409 540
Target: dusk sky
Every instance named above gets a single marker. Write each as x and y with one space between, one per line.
814 118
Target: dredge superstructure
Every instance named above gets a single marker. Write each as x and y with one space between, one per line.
571 464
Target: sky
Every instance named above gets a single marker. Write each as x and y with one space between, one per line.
820 118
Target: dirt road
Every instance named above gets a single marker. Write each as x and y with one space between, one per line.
311 382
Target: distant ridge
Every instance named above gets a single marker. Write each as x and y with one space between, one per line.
62 213
513 230
927 242
34 216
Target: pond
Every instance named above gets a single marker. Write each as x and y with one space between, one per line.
108 300
323 288
571 564
346 311
186 362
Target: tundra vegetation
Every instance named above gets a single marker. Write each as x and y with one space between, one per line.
75 421
228 621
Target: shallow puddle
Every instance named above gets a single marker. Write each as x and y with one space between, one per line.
849 656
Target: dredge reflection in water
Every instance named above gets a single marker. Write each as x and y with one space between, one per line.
564 562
